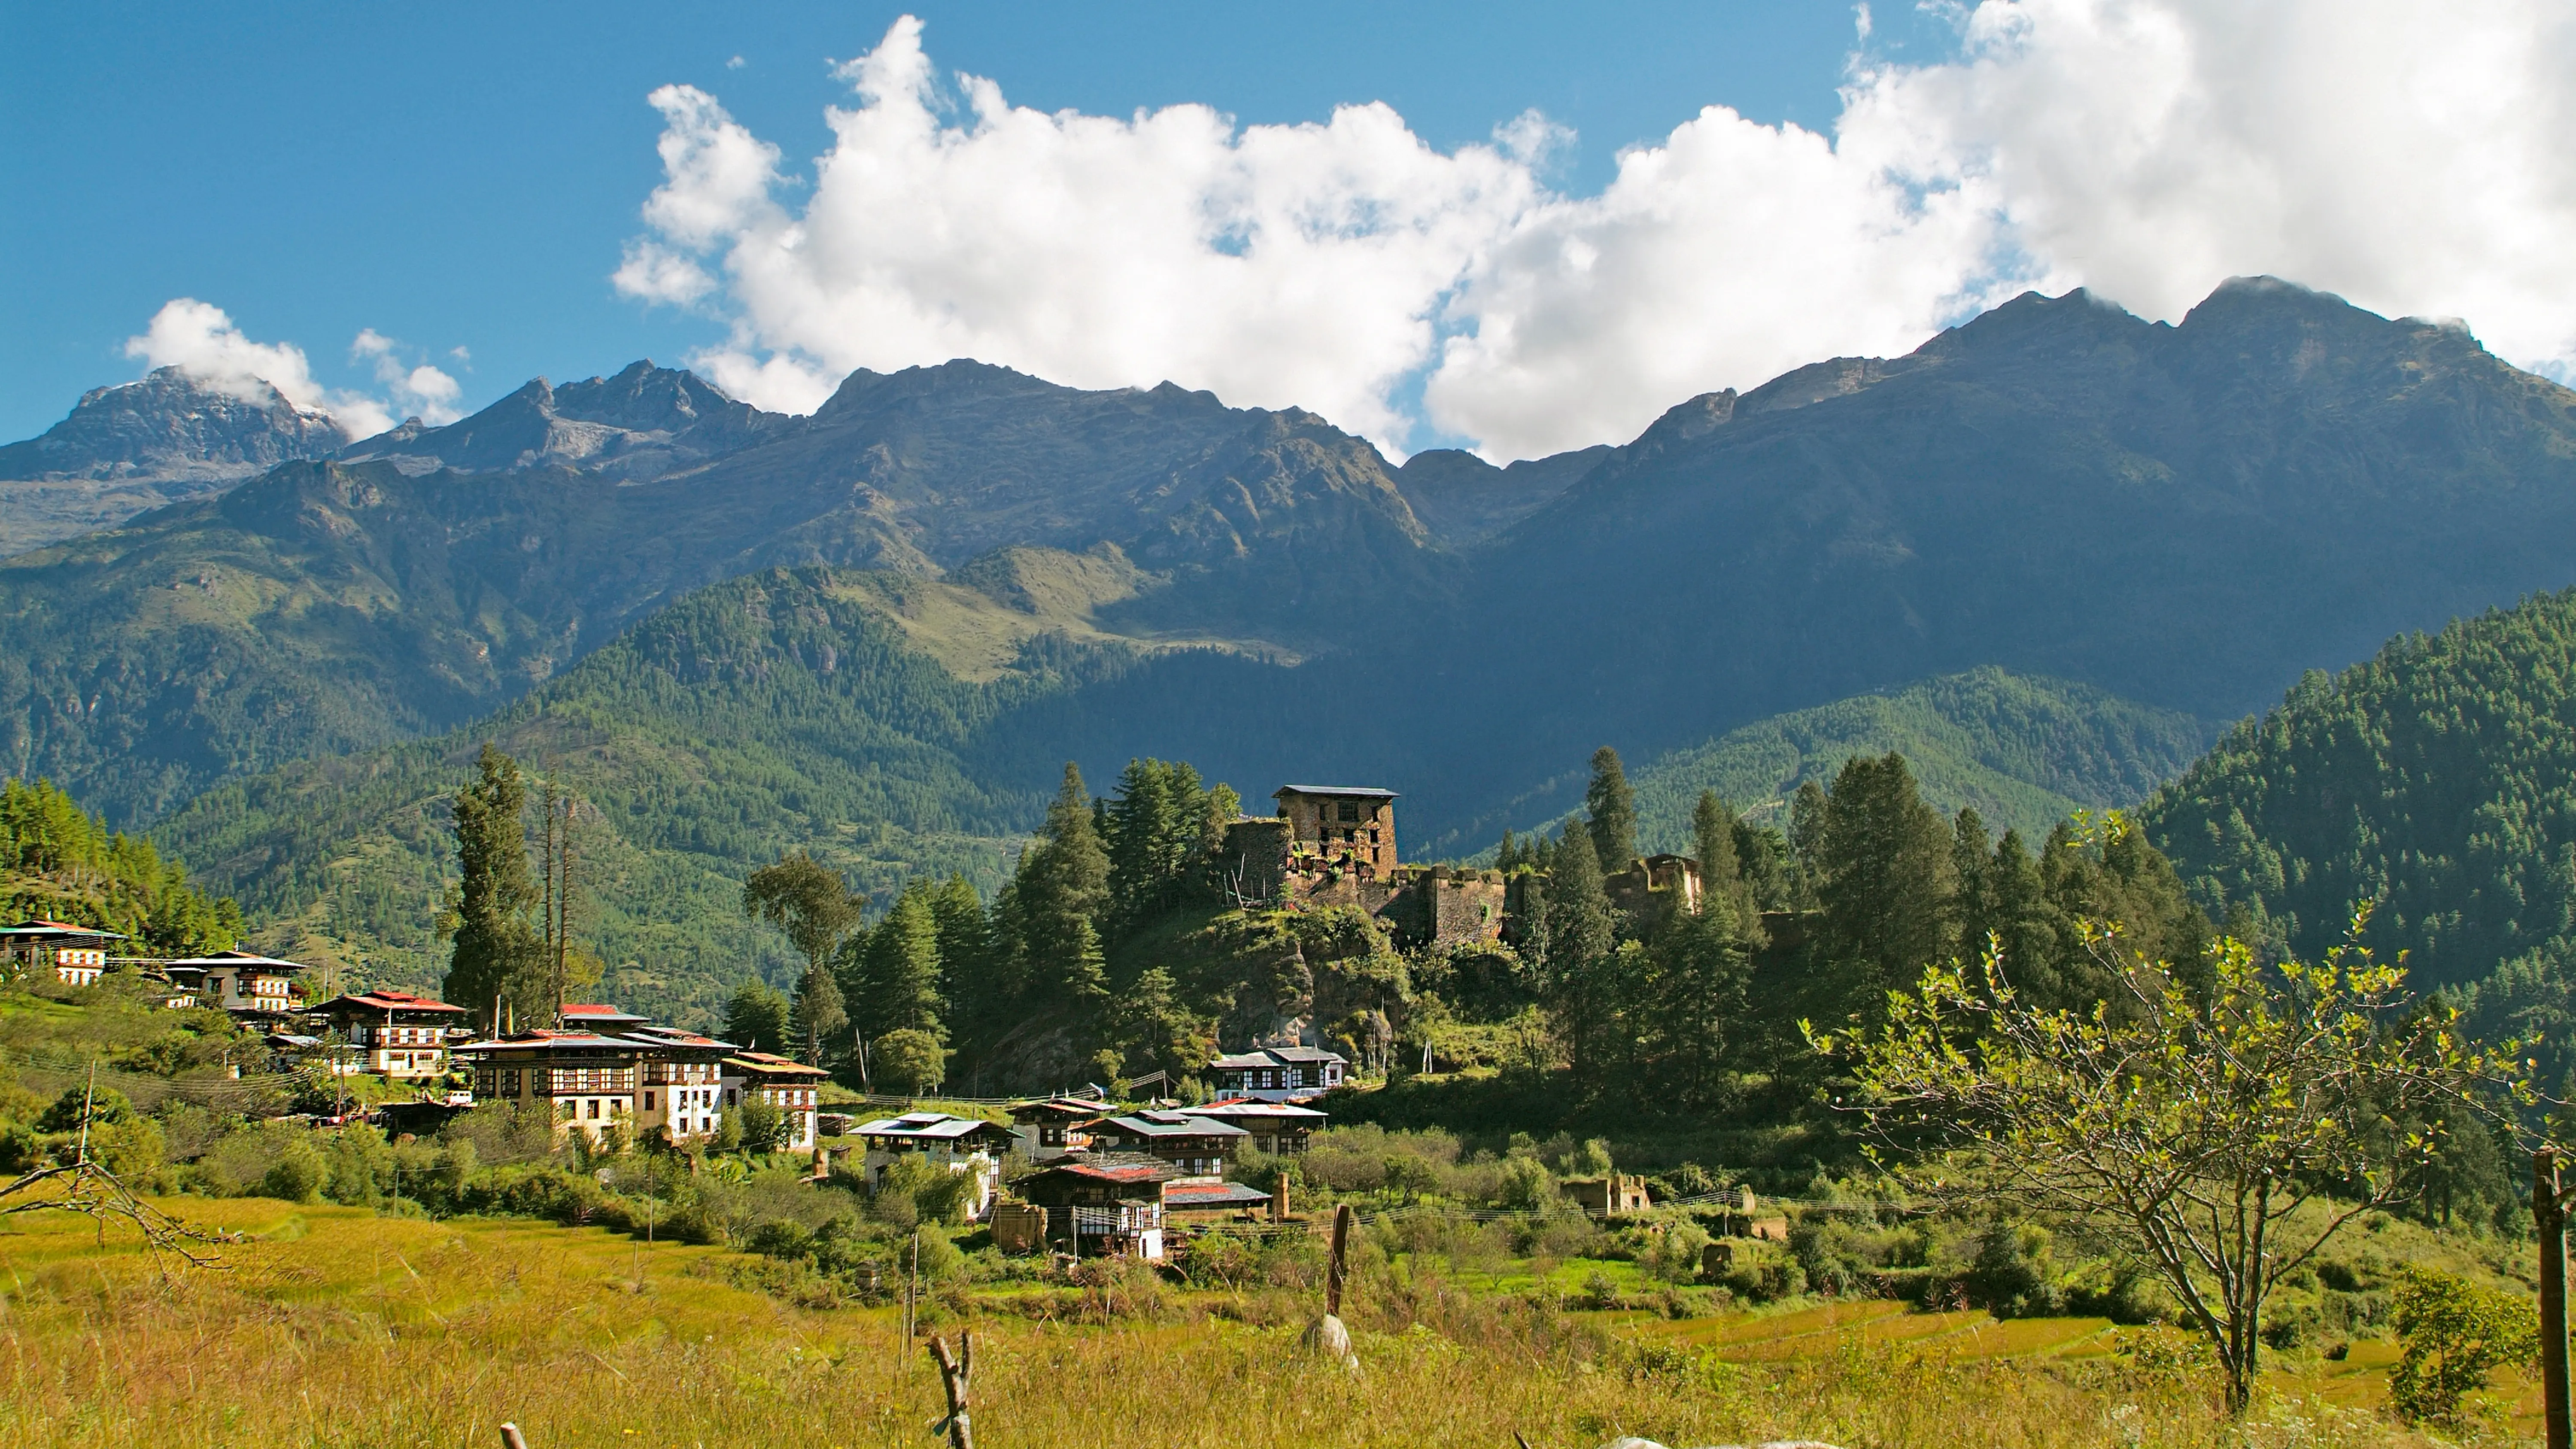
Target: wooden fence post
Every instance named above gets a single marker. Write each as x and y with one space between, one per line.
2549 1214
1333 1271
511 1438
954 1375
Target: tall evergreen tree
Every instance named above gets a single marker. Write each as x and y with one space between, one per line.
1885 878
1762 858
1611 813
899 969
1061 892
1696 1003
1805 841
496 969
757 1017
967 980
820 1016
1156 838
1583 934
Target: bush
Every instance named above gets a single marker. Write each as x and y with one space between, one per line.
1673 1255
2454 1334
298 1173
758 1126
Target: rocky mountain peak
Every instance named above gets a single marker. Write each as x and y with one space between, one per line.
170 425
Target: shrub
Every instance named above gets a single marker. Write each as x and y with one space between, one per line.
2454 1334
1673 1255
298 1173
758 1125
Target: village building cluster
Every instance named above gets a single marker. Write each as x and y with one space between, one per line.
1104 1179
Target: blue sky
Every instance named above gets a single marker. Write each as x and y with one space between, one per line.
464 174
493 179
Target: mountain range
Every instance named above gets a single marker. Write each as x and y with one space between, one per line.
139 445
2149 528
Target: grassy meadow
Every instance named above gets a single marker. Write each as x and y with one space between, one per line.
336 1326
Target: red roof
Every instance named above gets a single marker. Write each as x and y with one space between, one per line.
1117 1172
395 1001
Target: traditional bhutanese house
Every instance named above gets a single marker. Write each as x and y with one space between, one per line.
1051 1129
1194 1146
1279 1074
790 1086
586 1082
1102 1209
1277 1128
682 1090
77 955
1186 1202
967 1145
395 1033
240 981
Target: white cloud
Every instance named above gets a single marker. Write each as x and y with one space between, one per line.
2407 156
417 389
202 340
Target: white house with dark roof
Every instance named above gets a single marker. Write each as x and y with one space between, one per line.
1280 1074
396 1033
77 955
1194 1146
1277 1128
969 1145
238 981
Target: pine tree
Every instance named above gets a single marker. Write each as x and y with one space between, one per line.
1583 934
1806 833
757 1016
1885 879
966 976
1062 891
496 968
900 969
1611 809
1696 1003
1156 836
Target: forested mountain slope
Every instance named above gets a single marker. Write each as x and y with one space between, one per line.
332 606
2182 516
2438 778
2024 752
2187 516
788 709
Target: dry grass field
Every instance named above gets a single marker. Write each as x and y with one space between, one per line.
337 1327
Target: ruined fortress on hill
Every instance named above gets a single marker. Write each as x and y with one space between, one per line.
1334 845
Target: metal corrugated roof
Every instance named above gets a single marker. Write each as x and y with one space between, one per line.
1370 791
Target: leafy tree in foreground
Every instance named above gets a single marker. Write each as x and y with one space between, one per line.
2455 1334
2223 1141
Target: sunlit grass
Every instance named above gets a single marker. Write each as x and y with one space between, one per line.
337 1327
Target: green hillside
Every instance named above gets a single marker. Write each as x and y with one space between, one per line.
2438 778
2026 752
791 709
